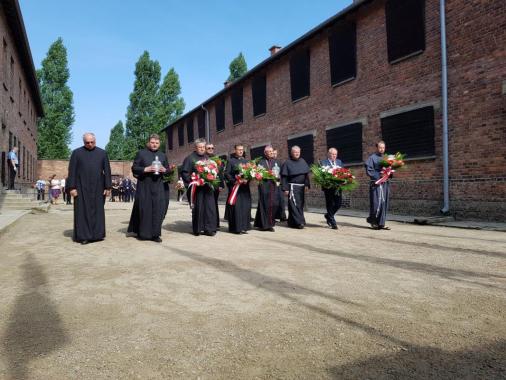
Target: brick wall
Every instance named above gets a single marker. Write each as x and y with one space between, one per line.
17 112
46 168
476 39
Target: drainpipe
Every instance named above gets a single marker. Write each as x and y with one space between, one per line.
444 96
208 133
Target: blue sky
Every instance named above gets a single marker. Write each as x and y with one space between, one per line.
198 38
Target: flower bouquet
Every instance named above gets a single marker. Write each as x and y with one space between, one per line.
336 178
390 163
205 174
247 172
168 176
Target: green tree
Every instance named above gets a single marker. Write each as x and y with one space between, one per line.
115 148
141 117
237 68
170 104
55 128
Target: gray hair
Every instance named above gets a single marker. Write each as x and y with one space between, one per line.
199 141
294 147
89 134
268 147
332 149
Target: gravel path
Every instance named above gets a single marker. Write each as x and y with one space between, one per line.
413 302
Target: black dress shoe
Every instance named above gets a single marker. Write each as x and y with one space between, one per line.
270 229
334 227
196 233
210 233
157 239
300 226
84 242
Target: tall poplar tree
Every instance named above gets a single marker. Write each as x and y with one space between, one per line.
55 128
170 103
115 148
237 67
141 117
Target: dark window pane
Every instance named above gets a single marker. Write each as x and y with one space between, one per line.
343 52
170 138
348 141
257 152
299 74
306 147
405 21
180 134
189 130
220 114
201 119
410 132
259 92
237 105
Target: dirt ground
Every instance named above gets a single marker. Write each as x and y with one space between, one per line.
414 302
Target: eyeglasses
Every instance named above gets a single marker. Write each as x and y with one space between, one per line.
210 148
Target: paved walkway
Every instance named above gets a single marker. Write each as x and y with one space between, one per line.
414 302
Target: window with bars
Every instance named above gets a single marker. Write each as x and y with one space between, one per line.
257 152
306 144
201 121
410 132
180 134
237 105
343 52
347 139
259 94
189 130
405 24
299 74
219 109
170 138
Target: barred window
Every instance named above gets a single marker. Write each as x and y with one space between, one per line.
410 132
347 139
219 109
201 121
259 94
237 105
405 24
180 134
299 74
189 129
343 52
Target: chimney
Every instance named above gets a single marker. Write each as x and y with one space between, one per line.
274 49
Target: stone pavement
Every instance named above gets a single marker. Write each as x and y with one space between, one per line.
415 302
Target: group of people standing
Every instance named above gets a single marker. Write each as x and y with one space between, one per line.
123 190
89 182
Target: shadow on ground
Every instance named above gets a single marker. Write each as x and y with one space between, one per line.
484 362
68 233
34 328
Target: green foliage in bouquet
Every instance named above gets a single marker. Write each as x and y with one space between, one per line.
333 178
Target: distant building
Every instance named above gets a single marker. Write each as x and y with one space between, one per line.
20 102
373 71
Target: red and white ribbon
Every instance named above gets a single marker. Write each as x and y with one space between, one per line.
196 181
385 175
232 197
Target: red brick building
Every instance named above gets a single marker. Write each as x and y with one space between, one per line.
374 71
20 102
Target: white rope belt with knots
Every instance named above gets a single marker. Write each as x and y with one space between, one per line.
292 196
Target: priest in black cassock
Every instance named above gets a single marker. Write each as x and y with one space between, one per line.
280 212
210 153
89 183
378 194
204 210
239 215
268 193
151 200
294 181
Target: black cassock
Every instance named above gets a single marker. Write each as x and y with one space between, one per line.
378 194
90 175
294 177
239 215
204 212
151 198
268 199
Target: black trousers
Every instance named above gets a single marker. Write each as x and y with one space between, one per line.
12 177
333 201
40 194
